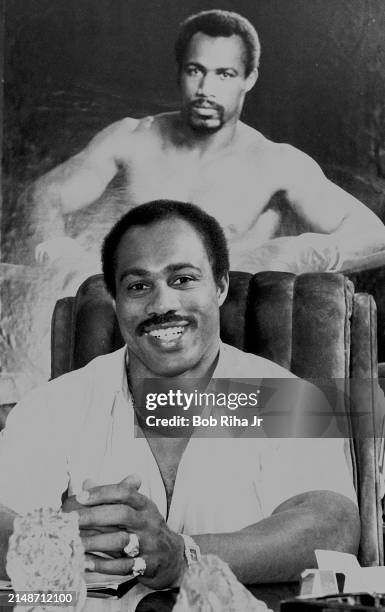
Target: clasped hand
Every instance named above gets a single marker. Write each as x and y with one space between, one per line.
108 514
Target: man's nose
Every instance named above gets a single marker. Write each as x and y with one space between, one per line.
162 299
206 85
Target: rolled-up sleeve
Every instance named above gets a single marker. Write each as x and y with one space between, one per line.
295 466
314 455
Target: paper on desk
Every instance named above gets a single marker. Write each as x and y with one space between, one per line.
368 579
336 561
357 578
95 580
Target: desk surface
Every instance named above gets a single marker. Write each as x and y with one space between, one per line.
271 594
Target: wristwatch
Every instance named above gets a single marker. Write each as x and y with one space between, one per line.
192 552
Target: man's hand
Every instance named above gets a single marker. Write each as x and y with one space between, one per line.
297 254
109 513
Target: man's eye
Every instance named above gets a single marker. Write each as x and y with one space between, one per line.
192 71
183 280
136 287
226 75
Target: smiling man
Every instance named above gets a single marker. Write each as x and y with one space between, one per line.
181 329
154 503
258 190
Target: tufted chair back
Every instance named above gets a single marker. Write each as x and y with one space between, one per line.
313 324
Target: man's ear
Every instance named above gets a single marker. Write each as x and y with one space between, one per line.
251 79
222 288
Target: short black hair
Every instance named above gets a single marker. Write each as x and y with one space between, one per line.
205 225
219 23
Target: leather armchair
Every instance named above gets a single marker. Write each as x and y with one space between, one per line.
312 324
370 278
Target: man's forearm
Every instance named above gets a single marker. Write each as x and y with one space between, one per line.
283 254
67 188
354 249
342 249
278 548
309 252
7 517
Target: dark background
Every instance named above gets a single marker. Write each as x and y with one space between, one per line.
74 66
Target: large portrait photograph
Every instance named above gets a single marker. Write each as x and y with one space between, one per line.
192 190
74 70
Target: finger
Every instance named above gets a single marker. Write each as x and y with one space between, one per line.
92 531
106 542
88 483
110 494
121 566
84 533
132 480
107 515
71 505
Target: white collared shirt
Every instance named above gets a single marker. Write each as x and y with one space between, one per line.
81 426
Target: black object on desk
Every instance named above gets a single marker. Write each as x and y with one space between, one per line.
162 601
357 602
109 592
271 594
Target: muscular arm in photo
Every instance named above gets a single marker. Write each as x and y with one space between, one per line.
73 185
343 230
352 227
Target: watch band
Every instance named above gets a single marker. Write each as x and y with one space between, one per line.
192 552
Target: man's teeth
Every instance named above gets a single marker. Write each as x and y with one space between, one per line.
169 333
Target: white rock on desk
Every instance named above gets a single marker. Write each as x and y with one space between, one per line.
46 555
211 586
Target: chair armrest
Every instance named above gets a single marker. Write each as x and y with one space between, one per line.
372 281
62 337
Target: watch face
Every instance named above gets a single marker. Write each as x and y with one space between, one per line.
191 550
194 555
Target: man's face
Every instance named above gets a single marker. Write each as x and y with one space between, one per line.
167 301
213 82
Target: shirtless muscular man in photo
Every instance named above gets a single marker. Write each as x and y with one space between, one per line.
205 155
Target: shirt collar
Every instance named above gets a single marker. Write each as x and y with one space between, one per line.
122 382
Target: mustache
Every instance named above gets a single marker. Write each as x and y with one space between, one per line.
161 319
205 102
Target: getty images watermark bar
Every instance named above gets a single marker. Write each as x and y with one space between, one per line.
272 408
